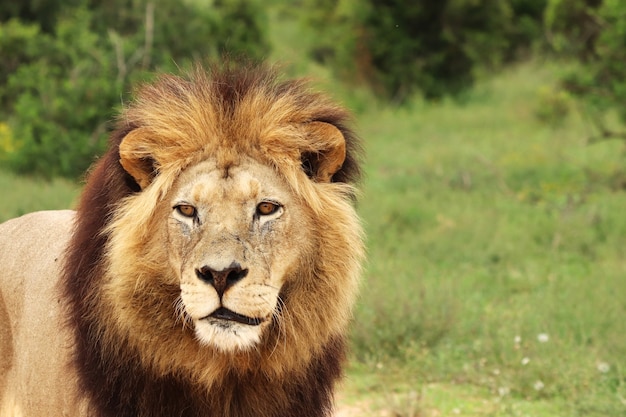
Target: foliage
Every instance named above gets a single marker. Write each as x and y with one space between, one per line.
553 105
59 86
572 26
60 100
7 143
42 13
527 26
600 79
435 48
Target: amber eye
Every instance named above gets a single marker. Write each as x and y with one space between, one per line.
266 208
186 210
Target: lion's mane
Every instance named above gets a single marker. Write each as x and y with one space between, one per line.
156 368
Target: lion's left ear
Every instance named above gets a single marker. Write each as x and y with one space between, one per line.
136 157
329 151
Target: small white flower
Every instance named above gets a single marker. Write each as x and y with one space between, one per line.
603 367
456 411
496 371
503 391
538 385
525 361
379 365
517 340
543 337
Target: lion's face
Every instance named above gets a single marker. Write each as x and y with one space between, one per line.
235 234
238 244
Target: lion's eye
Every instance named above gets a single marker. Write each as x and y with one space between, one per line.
266 208
186 210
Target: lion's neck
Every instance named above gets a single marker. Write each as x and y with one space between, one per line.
119 387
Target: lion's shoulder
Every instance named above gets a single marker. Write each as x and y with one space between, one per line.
33 235
31 247
33 341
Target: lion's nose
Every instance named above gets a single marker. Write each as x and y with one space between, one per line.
223 279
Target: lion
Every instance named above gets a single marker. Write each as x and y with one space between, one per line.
211 265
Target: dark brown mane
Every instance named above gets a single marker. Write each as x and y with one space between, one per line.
115 381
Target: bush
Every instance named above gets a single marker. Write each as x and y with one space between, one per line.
572 27
399 48
61 98
600 79
59 89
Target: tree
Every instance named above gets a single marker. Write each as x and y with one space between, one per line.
600 46
399 48
61 78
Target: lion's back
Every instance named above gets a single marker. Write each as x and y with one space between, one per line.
33 343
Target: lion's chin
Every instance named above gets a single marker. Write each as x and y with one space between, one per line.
224 333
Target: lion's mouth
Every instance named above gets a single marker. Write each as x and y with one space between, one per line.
223 313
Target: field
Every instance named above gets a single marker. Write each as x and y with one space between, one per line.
496 279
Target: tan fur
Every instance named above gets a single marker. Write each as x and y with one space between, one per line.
35 349
301 262
284 349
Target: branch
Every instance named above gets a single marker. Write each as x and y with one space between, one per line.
147 49
119 54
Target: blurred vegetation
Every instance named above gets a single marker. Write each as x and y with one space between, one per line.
67 65
399 48
600 78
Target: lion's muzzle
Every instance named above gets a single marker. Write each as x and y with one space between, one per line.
223 279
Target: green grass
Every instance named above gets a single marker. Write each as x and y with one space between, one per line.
21 195
486 229
487 226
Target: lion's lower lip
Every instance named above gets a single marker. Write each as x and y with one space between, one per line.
226 314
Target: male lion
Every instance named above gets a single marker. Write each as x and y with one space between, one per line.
209 269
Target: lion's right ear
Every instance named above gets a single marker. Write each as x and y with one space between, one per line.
136 157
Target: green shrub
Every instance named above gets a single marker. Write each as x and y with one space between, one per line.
37 12
400 48
61 98
572 26
600 79
59 89
553 105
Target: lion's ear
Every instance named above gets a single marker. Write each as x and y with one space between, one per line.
329 154
136 158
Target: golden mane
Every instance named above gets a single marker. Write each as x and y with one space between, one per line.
139 358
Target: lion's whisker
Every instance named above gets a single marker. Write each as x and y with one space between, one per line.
181 314
280 314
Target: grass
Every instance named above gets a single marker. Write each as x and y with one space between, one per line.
497 260
489 231
21 195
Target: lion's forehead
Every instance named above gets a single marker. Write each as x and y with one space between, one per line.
214 187
247 181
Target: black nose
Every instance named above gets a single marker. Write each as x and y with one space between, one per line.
224 279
